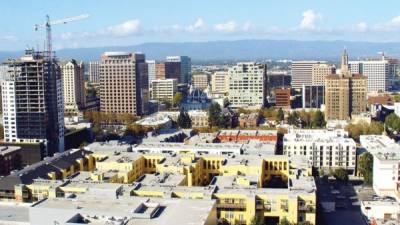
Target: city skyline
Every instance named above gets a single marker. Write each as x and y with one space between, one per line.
129 23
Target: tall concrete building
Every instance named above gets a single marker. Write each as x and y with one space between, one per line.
73 86
302 73
163 90
220 82
379 72
94 72
185 68
142 83
247 85
345 93
160 70
33 110
320 71
118 92
200 80
151 68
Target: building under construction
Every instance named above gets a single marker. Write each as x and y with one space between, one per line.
33 110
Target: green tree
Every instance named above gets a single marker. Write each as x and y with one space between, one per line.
397 98
226 102
392 122
341 174
293 119
184 120
305 118
365 165
281 115
1 131
257 220
214 113
319 119
364 128
285 221
177 99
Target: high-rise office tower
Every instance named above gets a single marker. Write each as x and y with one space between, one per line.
345 93
94 72
247 85
142 83
220 82
73 86
160 70
118 83
185 68
302 73
380 73
320 71
151 68
173 71
163 90
33 102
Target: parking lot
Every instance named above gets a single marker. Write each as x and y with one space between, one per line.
346 209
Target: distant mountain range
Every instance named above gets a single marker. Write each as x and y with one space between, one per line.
238 50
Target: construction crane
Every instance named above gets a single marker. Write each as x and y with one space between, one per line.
48 25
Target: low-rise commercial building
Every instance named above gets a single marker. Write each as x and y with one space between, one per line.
249 120
243 136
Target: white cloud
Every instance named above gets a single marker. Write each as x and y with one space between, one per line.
10 38
309 19
362 27
248 26
124 29
198 26
229 26
395 21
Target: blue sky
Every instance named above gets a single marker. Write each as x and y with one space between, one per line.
128 22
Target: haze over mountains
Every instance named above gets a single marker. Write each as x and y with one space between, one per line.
238 50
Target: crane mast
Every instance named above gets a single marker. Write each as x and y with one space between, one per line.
47 25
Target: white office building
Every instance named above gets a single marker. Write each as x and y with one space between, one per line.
163 90
220 82
302 73
380 73
326 149
151 70
94 72
247 85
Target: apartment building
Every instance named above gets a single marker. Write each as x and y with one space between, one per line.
247 85
73 86
326 149
386 167
33 109
163 90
